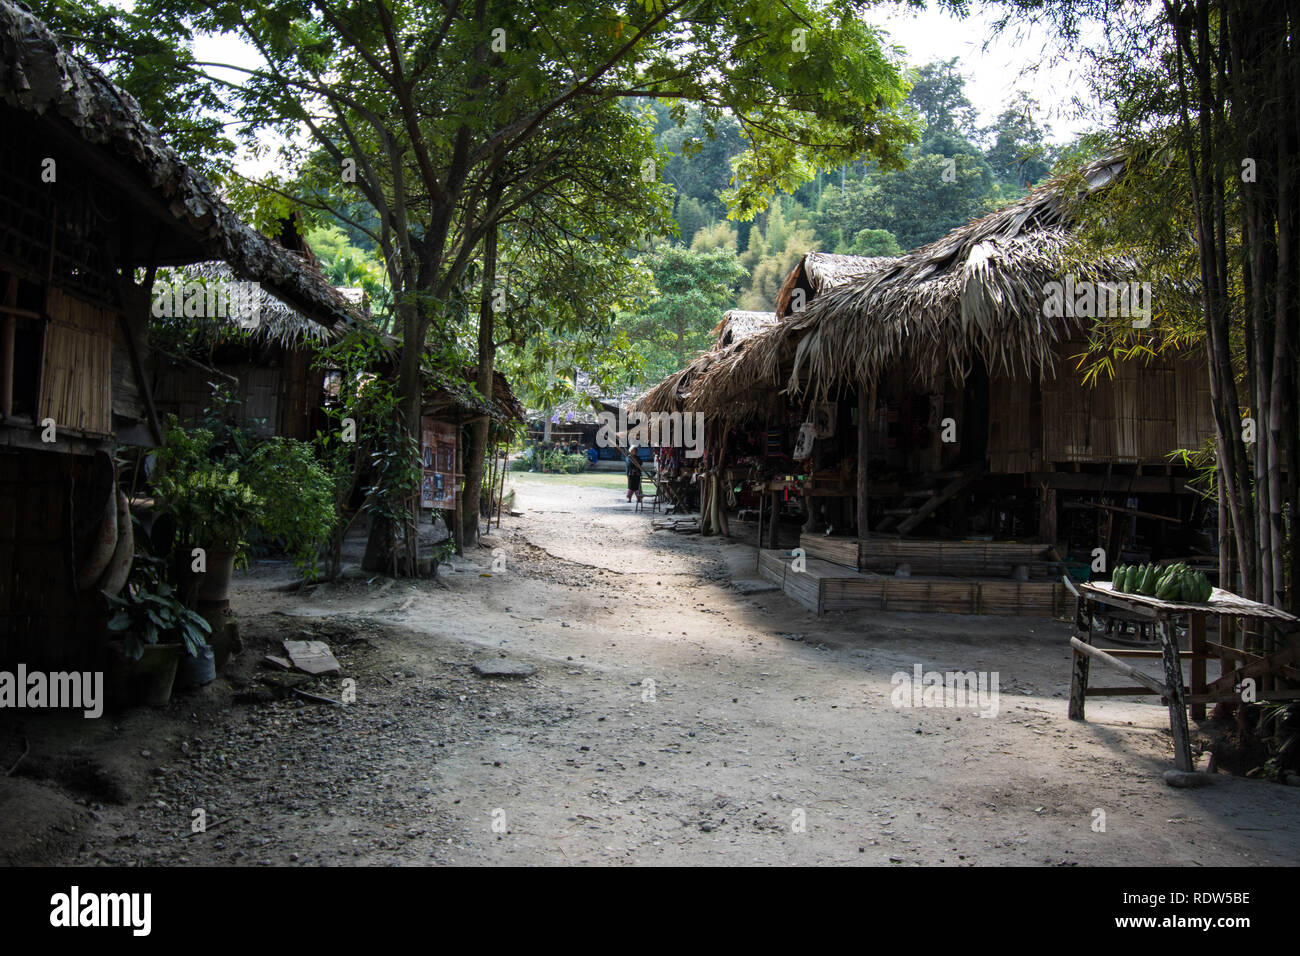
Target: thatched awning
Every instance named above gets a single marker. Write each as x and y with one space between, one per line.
278 323
79 107
976 292
739 324
682 390
819 272
455 396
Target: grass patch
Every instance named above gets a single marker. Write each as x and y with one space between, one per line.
586 479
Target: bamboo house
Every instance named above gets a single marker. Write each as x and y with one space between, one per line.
91 200
926 425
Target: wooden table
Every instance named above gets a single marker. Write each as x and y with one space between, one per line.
1171 689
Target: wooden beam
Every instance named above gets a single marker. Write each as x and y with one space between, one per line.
1118 484
1128 670
1174 694
7 332
1085 505
1197 641
1120 692
864 449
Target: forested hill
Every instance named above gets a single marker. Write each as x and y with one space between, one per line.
957 171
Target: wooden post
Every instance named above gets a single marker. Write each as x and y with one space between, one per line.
866 402
501 492
774 526
758 542
8 327
455 528
1079 674
1174 694
1047 518
1196 634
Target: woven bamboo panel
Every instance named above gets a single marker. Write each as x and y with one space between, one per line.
959 558
77 377
1195 414
825 587
842 551
1133 417
1011 442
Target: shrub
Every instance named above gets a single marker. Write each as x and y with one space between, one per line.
299 498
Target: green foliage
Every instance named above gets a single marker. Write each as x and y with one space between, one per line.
298 496
212 507
692 289
720 235
555 461
775 249
874 242
149 615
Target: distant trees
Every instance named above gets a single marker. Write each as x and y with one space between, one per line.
691 291
956 170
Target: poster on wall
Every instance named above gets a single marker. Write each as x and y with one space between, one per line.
438 458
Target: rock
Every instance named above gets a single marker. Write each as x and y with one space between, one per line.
503 668
1187 778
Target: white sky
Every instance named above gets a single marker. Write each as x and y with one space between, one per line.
993 75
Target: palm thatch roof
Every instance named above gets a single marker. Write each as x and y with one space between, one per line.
680 391
819 272
977 292
454 396
79 107
739 324
278 323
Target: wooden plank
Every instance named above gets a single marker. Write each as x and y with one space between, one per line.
1120 692
1221 602
1127 670
311 657
1081 660
932 504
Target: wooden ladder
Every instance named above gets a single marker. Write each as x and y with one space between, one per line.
920 504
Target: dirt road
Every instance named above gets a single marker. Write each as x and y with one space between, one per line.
670 718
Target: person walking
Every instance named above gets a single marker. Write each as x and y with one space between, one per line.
633 473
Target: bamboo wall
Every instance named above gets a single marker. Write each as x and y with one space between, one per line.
274 399
1013 447
1144 412
77 372
41 619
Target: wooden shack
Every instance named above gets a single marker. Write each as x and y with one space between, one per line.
928 418
270 370
92 203
451 403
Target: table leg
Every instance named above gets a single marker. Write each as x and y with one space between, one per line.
1196 633
1079 675
1174 694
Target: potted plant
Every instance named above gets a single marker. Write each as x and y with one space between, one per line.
156 628
214 511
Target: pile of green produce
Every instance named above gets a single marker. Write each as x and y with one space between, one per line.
1174 583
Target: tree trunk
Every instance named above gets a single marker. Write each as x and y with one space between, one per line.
476 451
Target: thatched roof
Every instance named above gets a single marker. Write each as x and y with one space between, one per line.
455 396
819 272
739 324
278 323
976 292
80 107
681 390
